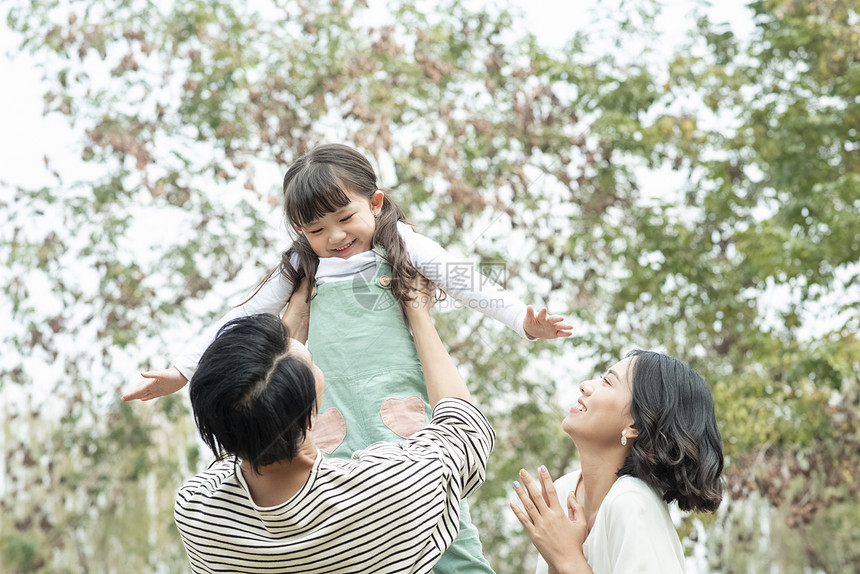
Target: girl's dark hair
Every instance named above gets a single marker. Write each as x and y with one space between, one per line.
679 450
317 184
250 399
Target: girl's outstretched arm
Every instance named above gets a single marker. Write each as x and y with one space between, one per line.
540 325
467 282
160 383
270 298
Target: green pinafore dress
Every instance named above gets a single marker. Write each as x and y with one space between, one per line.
374 385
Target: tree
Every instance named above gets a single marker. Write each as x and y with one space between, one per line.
781 197
530 159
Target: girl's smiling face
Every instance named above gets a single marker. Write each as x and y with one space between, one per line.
603 410
346 231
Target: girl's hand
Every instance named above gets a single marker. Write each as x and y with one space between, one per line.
543 326
161 383
557 537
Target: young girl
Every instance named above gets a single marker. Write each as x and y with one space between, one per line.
357 251
646 435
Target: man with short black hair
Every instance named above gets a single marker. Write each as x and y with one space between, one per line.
272 503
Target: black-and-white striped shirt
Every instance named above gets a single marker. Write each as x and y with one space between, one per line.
391 508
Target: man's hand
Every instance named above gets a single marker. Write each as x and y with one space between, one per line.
543 326
160 383
298 312
423 294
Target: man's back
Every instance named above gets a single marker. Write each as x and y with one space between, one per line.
392 508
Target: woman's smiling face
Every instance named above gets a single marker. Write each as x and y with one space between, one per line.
603 410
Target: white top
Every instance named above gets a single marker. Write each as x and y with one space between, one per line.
632 533
391 508
460 279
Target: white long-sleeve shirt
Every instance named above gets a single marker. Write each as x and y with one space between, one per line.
632 531
392 508
460 279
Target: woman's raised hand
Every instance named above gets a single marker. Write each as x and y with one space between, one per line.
558 537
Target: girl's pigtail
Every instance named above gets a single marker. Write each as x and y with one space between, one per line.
388 237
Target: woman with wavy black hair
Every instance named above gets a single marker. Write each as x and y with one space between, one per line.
646 436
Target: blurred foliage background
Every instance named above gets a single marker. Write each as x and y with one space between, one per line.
703 201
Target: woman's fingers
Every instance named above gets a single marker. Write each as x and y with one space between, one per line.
573 506
537 499
531 511
521 516
576 515
534 491
547 487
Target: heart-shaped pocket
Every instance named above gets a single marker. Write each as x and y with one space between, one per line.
404 416
329 430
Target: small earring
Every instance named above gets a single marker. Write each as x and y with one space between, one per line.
624 438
